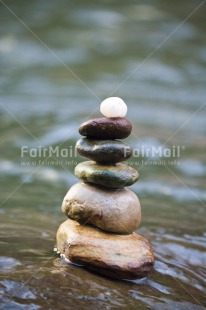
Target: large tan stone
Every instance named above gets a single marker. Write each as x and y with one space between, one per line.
116 256
111 210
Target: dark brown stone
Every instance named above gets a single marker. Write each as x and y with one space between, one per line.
116 256
106 128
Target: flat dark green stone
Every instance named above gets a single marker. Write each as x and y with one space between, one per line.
106 128
104 151
110 176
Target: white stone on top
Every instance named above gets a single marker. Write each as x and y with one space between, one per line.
113 107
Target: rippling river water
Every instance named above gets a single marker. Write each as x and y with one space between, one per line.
59 59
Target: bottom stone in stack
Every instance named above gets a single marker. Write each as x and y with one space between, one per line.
116 256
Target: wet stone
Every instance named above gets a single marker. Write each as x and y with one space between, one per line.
116 176
106 128
116 256
104 151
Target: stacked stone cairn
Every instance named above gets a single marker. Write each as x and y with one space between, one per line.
102 212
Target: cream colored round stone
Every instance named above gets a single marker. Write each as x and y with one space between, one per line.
113 107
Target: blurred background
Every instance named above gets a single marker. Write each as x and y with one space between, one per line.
58 61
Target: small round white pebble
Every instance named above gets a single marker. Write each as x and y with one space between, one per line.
113 107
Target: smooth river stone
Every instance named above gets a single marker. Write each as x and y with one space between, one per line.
116 176
104 151
106 128
113 107
111 210
116 256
